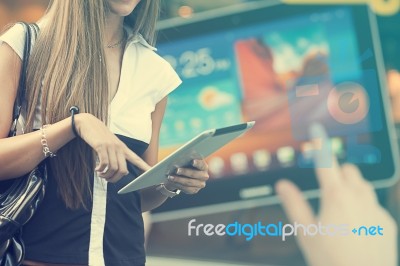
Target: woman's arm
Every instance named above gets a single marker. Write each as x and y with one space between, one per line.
189 180
20 154
150 197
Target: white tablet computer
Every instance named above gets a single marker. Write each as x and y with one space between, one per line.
199 147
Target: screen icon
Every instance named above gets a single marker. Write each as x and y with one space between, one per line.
286 156
348 103
239 162
216 166
261 159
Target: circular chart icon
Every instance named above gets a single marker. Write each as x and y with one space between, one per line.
348 103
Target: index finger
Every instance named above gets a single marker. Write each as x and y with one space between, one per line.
326 165
136 160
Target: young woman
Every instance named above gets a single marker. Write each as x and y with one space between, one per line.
97 55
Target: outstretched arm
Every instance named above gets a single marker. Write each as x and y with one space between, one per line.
346 199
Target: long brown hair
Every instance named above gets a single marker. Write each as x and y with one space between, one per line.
65 69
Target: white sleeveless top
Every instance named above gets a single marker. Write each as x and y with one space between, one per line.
145 79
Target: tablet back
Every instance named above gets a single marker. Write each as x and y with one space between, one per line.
199 147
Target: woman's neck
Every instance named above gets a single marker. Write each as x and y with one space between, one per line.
114 29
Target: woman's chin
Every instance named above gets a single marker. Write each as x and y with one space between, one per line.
122 7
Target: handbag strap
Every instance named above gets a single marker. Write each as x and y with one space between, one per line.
31 31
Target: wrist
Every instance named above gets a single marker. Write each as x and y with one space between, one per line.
168 192
170 186
80 120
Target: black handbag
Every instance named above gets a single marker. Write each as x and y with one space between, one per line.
23 195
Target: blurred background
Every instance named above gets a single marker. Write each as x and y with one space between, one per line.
168 242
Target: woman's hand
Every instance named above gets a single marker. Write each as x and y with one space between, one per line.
189 180
346 198
112 153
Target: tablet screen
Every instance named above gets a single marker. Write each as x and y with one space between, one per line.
284 67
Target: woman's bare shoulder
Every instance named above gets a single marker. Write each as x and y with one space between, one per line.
15 38
10 66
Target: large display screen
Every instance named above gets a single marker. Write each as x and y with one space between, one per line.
279 74
285 67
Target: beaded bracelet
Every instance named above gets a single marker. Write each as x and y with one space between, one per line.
43 140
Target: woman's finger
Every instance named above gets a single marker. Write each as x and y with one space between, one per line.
195 174
187 182
136 160
187 189
327 167
122 168
112 168
103 163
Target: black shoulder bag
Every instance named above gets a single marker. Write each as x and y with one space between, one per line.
22 197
